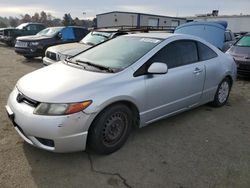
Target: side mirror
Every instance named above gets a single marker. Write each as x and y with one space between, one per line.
59 36
158 68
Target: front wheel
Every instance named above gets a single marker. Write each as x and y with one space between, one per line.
110 129
28 57
222 93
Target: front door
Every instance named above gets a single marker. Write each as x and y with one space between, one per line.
178 89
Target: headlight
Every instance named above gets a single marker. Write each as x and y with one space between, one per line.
34 43
60 109
62 57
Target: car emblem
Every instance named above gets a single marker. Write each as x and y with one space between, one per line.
20 97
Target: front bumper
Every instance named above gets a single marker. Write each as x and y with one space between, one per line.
53 133
5 39
243 67
2 38
29 52
48 61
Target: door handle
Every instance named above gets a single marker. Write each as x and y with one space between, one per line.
197 70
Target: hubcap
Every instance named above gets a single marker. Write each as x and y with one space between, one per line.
223 92
114 128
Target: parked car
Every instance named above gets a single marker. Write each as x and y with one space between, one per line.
221 38
60 52
96 97
9 35
239 35
229 40
36 45
241 53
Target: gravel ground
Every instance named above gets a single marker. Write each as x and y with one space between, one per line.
206 147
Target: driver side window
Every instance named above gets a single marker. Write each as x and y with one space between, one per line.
31 28
178 53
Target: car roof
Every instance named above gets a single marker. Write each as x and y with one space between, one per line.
68 26
107 30
153 35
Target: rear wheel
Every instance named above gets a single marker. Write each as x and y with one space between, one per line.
222 93
110 129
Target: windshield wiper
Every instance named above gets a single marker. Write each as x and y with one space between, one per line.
101 67
90 43
98 34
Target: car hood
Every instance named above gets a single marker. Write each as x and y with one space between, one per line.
238 51
8 29
60 83
70 49
32 38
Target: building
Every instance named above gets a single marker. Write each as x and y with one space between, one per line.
236 23
132 19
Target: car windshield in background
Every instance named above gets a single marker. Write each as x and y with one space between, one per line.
50 32
95 38
118 53
21 26
244 41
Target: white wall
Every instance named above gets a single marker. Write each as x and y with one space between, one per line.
131 19
235 24
107 20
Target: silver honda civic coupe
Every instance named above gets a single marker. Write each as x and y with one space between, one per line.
94 99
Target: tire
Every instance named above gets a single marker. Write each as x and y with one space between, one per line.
222 93
13 42
28 57
110 130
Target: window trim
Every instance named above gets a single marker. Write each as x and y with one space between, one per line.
143 69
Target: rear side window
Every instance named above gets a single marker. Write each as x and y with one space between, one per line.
205 53
228 36
32 28
177 54
40 27
80 33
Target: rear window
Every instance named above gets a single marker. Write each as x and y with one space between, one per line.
228 36
80 33
244 41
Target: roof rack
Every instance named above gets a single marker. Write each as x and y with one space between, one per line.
126 28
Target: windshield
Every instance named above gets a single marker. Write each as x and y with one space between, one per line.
21 26
49 32
244 41
95 38
118 53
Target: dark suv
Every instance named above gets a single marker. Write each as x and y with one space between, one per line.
36 45
9 35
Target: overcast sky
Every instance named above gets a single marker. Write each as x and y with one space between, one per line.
163 7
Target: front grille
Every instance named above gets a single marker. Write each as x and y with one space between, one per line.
244 66
22 98
21 44
51 55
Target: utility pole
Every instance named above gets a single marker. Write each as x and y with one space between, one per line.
84 13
